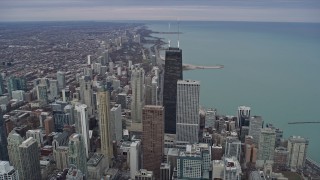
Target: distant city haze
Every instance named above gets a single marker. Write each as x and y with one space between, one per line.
205 10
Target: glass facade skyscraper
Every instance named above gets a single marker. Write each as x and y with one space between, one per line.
172 73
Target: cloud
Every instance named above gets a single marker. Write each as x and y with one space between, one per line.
276 11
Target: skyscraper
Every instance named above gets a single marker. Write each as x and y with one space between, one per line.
154 90
42 94
210 118
137 81
54 90
172 73
267 142
255 127
29 167
243 115
77 155
104 124
14 141
152 138
86 93
233 147
116 122
82 125
188 118
297 147
3 140
148 90
16 83
61 78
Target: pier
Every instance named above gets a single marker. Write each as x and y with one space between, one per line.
304 122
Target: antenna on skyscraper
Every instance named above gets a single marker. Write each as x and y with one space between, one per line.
169 41
178 32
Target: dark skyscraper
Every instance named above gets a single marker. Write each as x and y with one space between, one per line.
172 73
3 140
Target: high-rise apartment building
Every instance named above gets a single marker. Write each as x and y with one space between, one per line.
255 127
152 138
105 124
137 81
210 119
266 146
36 134
148 90
243 115
188 118
77 153
233 147
16 83
280 158
135 159
48 125
82 125
3 140
116 122
86 93
14 141
29 167
297 147
42 94
61 78
172 73
154 91
61 154
54 89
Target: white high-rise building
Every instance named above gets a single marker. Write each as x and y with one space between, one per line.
188 118
135 149
267 141
255 127
54 89
116 122
8 172
137 81
82 125
154 90
37 135
89 59
210 118
61 78
86 93
297 147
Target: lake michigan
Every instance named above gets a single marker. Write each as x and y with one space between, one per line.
271 67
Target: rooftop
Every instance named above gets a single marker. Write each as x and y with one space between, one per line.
95 159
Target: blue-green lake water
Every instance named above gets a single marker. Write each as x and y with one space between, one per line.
271 67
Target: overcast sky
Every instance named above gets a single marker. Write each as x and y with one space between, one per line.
209 10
